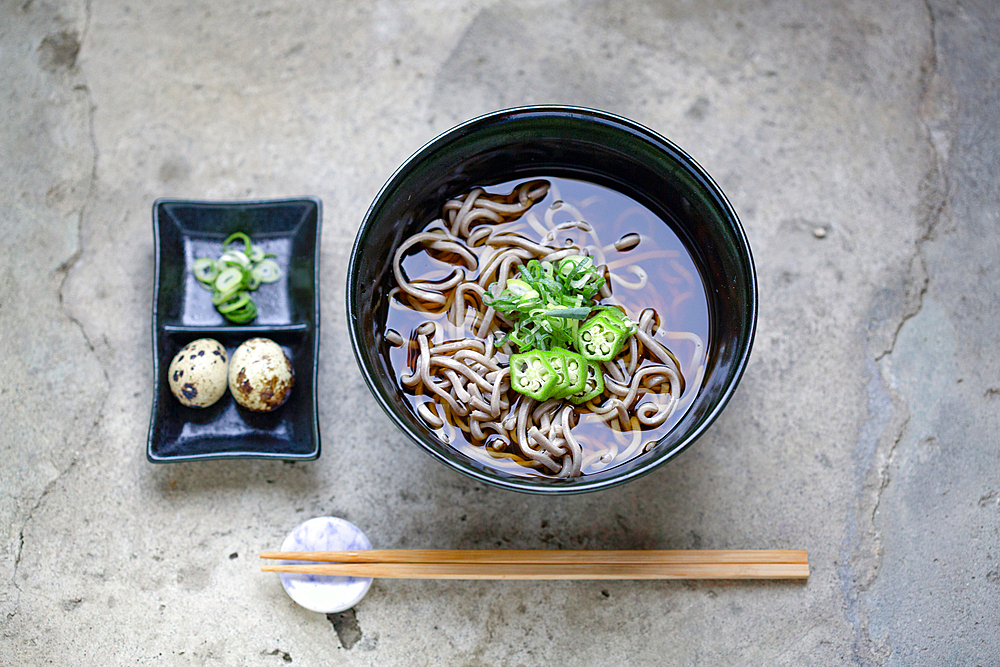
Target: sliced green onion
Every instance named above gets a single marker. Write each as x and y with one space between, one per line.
205 270
243 315
267 271
256 253
238 236
547 302
570 313
228 278
235 258
234 275
237 301
222 297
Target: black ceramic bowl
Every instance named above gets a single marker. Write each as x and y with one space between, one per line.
575 143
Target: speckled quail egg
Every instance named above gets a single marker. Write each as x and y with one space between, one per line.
260 375
197 373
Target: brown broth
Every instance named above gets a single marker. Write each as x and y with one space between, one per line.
674 288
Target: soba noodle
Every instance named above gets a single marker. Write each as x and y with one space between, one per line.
455 358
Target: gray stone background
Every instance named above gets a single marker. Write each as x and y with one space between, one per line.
864 430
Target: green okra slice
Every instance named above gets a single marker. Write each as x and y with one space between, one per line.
603 336
531 374
617 319
593 384
574 372
558 364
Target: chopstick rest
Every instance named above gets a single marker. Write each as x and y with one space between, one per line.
321 592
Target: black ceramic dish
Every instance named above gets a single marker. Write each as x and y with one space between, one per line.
575 143
288 313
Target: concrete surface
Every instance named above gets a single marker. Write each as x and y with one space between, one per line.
864 430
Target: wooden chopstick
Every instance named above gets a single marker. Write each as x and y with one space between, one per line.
543 556
554 571
547 564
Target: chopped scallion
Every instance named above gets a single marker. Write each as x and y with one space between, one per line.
267 271
234 275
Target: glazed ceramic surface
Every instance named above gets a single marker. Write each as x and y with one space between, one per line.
321 593
288 314
575 143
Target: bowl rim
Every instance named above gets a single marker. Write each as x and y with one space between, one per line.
526 485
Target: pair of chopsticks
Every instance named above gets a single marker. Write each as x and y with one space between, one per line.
546 564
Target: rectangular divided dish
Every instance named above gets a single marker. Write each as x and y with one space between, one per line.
288 314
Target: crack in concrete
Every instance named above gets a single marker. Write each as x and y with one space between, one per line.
884 476
934 190
918 258
24 526
860 551
68 265
65 268
934 197
862 562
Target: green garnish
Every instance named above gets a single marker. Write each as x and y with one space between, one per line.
578 273
593 385
545 374
548 301
205 270
234 275
603 336
238 236
532 375
548 305
266 271
572 372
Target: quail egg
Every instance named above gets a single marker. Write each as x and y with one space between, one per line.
260 375
197 373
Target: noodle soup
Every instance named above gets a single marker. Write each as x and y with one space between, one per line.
450 350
